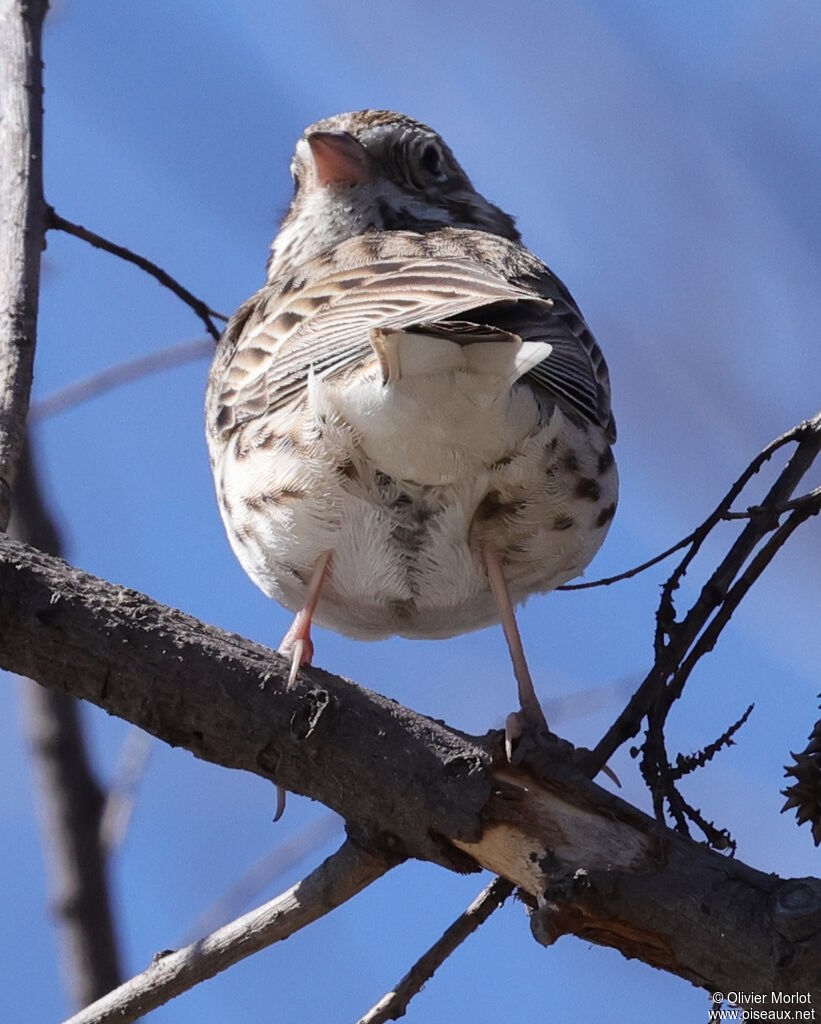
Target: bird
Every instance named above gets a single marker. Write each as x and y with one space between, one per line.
409 424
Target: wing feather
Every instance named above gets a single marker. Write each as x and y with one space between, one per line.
325 326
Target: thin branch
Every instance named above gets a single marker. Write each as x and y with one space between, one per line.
116 376
340 877
687 765
201 308
605 581
22 209
750 513
675 639
395 1003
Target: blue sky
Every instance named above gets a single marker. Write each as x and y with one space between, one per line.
664 160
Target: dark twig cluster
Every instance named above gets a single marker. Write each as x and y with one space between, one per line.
680 643
805 793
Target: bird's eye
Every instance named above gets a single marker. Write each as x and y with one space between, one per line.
431 160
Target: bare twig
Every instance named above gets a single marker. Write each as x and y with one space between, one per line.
686 765
674 640
393 1005
116 376
606 581
22 209
749 513
340 877
201 308
265 872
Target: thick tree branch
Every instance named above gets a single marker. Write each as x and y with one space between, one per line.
201 308
22 210
343 875
596 866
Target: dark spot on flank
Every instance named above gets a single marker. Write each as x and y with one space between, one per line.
588 488
606 515
562 522
283 442
403 610
505 460
489 506
348 470
314 301
553 444
225 418
292 569
259 502
287 286
570 462
606 460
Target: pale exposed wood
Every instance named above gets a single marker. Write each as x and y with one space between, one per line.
22 212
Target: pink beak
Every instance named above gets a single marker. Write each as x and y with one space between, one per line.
338 157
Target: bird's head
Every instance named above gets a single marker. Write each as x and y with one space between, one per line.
376 170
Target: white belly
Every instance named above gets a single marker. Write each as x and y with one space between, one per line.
400 490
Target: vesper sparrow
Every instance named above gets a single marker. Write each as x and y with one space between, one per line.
409 423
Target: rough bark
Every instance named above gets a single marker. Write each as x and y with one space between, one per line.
591 863
22 209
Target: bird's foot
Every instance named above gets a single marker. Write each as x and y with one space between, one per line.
528 720
298 646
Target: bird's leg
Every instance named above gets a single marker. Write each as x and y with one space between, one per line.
531 713
297 643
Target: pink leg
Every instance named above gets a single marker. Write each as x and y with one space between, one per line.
528 701
531 712
297 643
